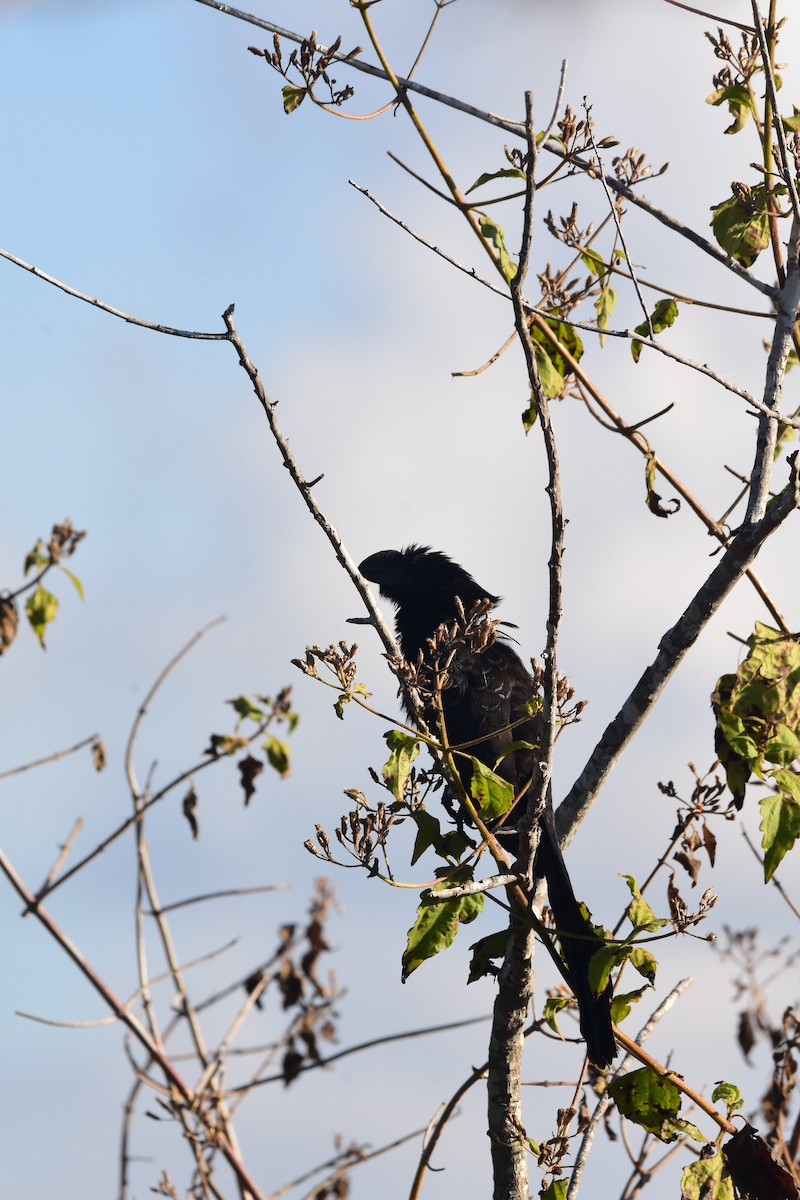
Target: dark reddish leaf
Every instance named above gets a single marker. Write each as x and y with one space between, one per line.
290 983
690 863
292 1062
251 983
710 843
308 965
98 754
189 808
754 1171
677 905
745 1033
9 619
249 769
314 933
309 1039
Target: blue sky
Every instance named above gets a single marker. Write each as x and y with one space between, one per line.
148 162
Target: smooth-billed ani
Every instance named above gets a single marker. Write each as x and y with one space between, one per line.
487 691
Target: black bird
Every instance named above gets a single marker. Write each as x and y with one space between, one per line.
487 691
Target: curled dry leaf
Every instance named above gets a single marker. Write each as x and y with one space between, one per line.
9 619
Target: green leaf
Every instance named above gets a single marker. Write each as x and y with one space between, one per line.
530 414
436 924
644 962
729 1094
429 833
484 954
494 234
293 97
35 558
707 1179
622 1003
552 1007
75 581
593 262
688 1129
780 821
741 224
494 796
553 367
403 749
42 608
488 176
654 502
783 748
757 714
792 124
450 845
551 379
246 710
278 755
640 914
224 743
603 962
556 1190
663 315
604 306
649 1100
739 103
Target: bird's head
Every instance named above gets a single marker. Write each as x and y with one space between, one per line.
423 584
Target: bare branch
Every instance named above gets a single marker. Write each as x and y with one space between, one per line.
699 12
357 64
244 891
54 757
516 128
605 1100
126 1017
787 174
673 648
114 312
380 1041
782 344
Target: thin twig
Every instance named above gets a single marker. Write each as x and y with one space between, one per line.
64 850
774 880
244 891
54 757
144 706
787 174
136 1028
782 344
584 326
357 1049
303 486
605 1100
114 312
673 647
357 64
343 1162
517 128
587 108
562 83
699 12
166 975
436 1132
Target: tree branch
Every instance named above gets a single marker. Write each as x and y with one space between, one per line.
174 1080
673 648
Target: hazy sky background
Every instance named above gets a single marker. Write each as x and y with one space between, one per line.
148 162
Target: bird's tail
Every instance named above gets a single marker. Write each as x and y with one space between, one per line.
578 943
